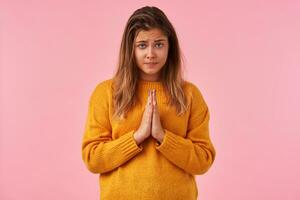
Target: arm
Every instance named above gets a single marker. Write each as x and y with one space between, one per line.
195 153
100 153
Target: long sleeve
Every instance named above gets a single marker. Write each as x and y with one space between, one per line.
147 171
195 153
100 153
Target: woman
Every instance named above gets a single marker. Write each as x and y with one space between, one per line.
147 131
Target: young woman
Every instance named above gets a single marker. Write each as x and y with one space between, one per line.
147 130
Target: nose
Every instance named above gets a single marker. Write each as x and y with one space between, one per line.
150 52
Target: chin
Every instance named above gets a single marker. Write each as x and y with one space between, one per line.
151 72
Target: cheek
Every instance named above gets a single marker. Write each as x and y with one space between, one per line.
164 54
137 56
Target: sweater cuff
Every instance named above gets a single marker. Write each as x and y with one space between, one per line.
128 145
170 141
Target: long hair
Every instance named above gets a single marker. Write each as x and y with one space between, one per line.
126 78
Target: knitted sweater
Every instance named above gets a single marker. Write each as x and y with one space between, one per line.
149 171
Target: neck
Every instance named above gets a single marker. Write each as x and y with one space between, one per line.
152 78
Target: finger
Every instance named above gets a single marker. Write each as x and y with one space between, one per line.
149 104
149 99
155 100
148 107
156 109
153 104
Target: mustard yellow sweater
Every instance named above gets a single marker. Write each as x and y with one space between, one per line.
149 171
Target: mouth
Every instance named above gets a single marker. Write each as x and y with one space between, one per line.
151 63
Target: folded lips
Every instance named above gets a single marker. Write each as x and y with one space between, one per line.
151 63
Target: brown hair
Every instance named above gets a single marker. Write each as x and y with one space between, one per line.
126 78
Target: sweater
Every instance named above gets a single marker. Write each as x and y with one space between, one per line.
151 170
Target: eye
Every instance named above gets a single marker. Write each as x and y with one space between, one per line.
141 46
160 45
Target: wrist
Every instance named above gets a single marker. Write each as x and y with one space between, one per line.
161 138
138 139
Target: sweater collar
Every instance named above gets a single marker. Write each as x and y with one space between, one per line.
143 84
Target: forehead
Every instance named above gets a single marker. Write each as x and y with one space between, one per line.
152 34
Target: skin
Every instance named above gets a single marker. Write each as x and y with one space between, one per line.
157 130
150 124
150 46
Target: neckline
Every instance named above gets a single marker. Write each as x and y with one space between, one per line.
150 84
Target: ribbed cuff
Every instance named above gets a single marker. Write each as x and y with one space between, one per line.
170 141
128 145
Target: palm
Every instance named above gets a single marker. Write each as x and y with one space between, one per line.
156 128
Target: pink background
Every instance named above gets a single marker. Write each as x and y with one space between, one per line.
243 55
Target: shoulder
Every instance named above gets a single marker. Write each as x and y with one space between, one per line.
102 90
193 93
191 88
104 85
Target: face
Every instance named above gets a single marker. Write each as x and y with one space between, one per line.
151 53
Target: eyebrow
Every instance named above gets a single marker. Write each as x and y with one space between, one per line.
154 40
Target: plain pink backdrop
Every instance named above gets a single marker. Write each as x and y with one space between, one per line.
243 55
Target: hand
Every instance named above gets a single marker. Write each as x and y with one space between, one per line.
156 129
144 131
